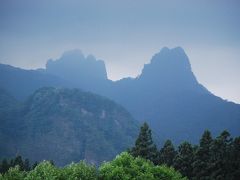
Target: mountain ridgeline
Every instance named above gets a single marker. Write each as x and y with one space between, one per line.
166 94
86 73
67 125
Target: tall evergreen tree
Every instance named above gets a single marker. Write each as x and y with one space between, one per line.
27 166
184 159
35 164
167 153
144 146
201 164
235 158
4 166
18 161
220 157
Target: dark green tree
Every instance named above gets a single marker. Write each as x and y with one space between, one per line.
34 165
4 166
235 158
52 162
201 164
184 159
18 161
167 153
144 146
220 157
125 166
27 166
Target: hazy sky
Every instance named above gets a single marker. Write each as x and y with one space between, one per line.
126 34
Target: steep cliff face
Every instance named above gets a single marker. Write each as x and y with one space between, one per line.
21 83
73 66
176 105
67 125
166 94
168 69
85 72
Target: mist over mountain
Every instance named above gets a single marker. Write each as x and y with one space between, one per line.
85 72
166 94
9 118
21 83
66 125
171 69
169 97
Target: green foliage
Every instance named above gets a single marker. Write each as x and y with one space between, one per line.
79 171
217 158
201 164
144 146
167 173
214 158
4 166
95 128
235 158
34 165
167 153
14 173
220 152
44 170
184 159
125 166
18 161
24 165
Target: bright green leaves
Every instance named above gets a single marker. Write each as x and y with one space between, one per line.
125 166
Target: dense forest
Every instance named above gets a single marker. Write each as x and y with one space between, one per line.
119 90
176 105
64 125
212 158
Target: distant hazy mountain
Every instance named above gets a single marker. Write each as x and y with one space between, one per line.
169 97
21 83
84 72
68 125
166 94
9 119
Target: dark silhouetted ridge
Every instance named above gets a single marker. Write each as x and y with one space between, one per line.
166 94
66 125
74 67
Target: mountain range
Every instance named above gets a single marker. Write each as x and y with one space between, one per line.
166 94
64 125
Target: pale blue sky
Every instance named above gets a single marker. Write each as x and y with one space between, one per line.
126 33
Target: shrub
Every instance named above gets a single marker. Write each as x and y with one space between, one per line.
125 166
14 173
45 170
80 170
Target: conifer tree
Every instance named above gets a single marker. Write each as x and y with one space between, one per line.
18 161
35 164
220 157
235 158
144 146
4 166
184 159
201 164
26 165
167 153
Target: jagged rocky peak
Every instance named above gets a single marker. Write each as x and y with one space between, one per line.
169 69
95 128
73 54
168 61
74 65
